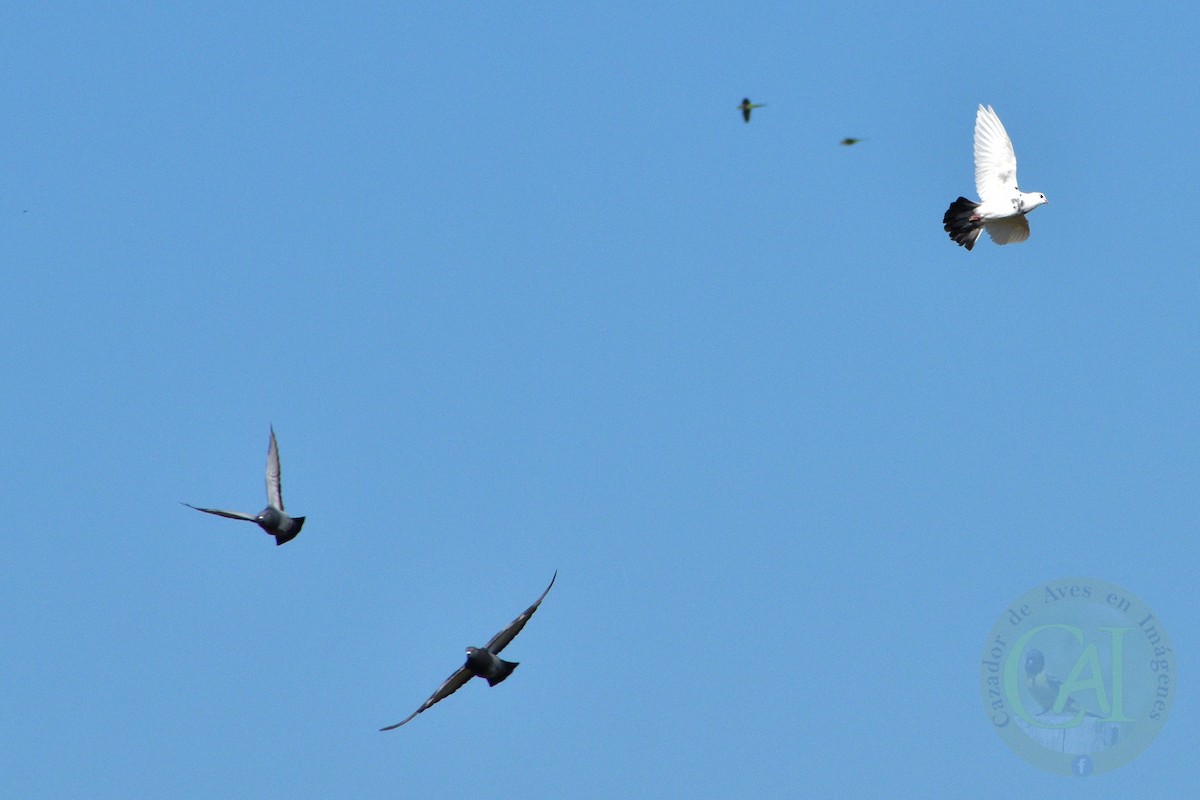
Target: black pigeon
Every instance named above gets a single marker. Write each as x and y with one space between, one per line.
271 519
482 662
849 140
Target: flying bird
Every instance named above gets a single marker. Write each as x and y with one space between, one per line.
1045 687
747 105
849 140
1002 206
271 519
482 662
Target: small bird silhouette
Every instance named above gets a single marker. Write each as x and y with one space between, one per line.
482 662
271 519
850 140
747 105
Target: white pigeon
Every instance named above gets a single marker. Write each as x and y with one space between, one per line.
1002 206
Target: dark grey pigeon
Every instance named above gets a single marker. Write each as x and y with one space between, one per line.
482 662
271 519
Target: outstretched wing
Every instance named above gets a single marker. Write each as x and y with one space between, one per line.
219 513
1008 229
449 687
274 488
995 161
501 639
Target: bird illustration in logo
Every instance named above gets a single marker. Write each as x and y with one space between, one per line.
747 105
1045 687
271 519
1002 205
482 662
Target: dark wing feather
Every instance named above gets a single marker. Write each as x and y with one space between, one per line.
501 639
219 513
449 687
274 486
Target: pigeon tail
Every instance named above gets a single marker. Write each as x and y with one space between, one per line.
506 668
284 538
961 222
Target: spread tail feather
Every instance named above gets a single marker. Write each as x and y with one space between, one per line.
284 538
506 668
959 224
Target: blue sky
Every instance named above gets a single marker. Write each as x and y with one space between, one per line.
520 292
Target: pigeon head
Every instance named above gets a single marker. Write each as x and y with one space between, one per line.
1034 662
1028 201
478 659
269 518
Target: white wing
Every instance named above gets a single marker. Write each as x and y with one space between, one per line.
995 161
1008 230
274 490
